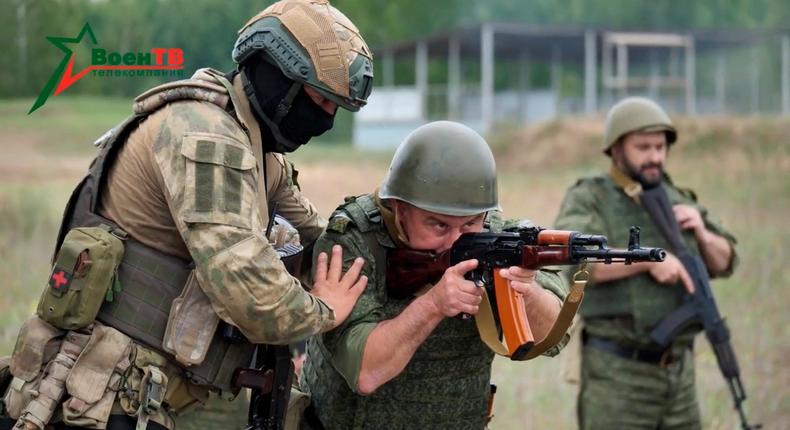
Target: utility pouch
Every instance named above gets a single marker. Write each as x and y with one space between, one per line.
96 377
83 276
49 388
190 325
37 343
146 393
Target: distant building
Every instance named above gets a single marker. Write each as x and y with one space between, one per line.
488 68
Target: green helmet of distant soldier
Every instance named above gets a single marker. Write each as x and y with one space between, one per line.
636 115
312 43
443 167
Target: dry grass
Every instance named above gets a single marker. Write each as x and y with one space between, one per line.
740 169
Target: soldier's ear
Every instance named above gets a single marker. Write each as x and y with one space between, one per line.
616 151
397 208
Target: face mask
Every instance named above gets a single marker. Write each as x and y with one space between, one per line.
269 92
305 120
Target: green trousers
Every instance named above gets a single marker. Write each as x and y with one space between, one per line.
619 393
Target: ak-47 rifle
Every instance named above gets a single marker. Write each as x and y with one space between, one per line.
700 307
409 271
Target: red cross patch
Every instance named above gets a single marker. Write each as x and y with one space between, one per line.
60 279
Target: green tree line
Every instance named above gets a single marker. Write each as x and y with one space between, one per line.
206 29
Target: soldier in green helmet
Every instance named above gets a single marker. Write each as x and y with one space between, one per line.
185 189
398 362
627 382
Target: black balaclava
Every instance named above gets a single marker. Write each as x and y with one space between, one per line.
287 116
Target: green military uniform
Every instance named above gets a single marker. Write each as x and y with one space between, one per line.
618 392
446 383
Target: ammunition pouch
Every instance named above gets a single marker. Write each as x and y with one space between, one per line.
83 369
38 343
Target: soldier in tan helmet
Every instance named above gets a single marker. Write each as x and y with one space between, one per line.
164 277
627 381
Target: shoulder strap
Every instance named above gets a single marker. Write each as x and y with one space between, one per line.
362 211
364 214
81 207
630 187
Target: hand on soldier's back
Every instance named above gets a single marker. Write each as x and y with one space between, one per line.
339 290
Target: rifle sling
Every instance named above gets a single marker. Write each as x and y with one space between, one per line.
484 320
564 320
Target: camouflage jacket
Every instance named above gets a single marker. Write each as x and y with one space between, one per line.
193 174
627 309
446 383
191 181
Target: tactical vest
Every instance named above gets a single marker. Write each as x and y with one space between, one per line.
150 279
425 398
639 296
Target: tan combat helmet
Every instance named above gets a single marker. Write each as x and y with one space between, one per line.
443 167
636 114
313 43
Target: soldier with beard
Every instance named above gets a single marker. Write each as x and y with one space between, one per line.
626 381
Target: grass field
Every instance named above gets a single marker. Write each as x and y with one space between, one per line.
740 168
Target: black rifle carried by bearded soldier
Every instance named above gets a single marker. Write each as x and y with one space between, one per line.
701 307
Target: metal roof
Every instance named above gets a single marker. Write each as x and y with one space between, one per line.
540 41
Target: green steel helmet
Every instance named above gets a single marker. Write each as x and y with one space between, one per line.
443 167
313 43
636 114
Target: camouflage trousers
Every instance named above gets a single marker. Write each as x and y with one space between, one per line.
619 393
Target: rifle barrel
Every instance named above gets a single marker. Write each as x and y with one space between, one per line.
641 254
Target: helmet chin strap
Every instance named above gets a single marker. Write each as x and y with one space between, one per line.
280 112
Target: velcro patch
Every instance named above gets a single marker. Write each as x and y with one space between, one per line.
60 279
338 224
219 180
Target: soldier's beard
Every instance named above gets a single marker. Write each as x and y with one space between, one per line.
641 175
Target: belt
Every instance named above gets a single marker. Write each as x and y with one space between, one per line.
661 358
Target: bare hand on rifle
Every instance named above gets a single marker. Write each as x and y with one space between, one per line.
454 294
521 279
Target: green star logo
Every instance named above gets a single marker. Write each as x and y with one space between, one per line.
62 78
